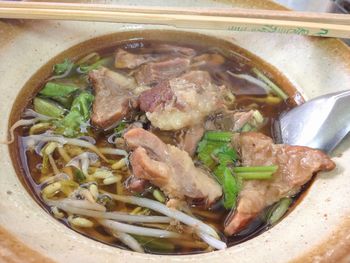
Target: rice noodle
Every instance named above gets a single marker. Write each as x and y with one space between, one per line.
119 216
53 164
172 213
25 122
113 151
82 161
55 178
34 114
34 139
21 122
82 204
128 240
63 153
137 230
38 148
213 242
88 138
87 58
111 138
250 79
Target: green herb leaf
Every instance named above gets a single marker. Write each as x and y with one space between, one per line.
48 108
82 104
225 154
52 90
79 114
66 102
205 150
215 152
230 185
63 67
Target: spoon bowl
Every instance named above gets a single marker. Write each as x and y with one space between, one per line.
320 123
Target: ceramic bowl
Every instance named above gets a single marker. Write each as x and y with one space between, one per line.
317 230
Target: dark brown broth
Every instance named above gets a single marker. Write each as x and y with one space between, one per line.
243 90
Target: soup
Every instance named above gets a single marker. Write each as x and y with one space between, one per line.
162 148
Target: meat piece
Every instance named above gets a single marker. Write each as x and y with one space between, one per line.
124 59
199 79
169 168
190 139
296 165
113 96
176 50
155 72
184 102
212 60
136 184
232 121
152 98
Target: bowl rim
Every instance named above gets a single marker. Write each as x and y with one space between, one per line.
323 246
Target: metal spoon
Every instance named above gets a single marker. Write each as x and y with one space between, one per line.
320 123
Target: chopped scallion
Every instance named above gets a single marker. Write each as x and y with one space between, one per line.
255 169
218 136
255 176
278 210
274 88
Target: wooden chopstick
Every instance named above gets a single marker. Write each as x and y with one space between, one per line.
235 12
283 22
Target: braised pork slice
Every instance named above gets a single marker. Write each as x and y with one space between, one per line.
113 96
125 59
190 139
182 102
296 165
208 59
232 121
158 96
169 168
136 184
175 50
155 72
